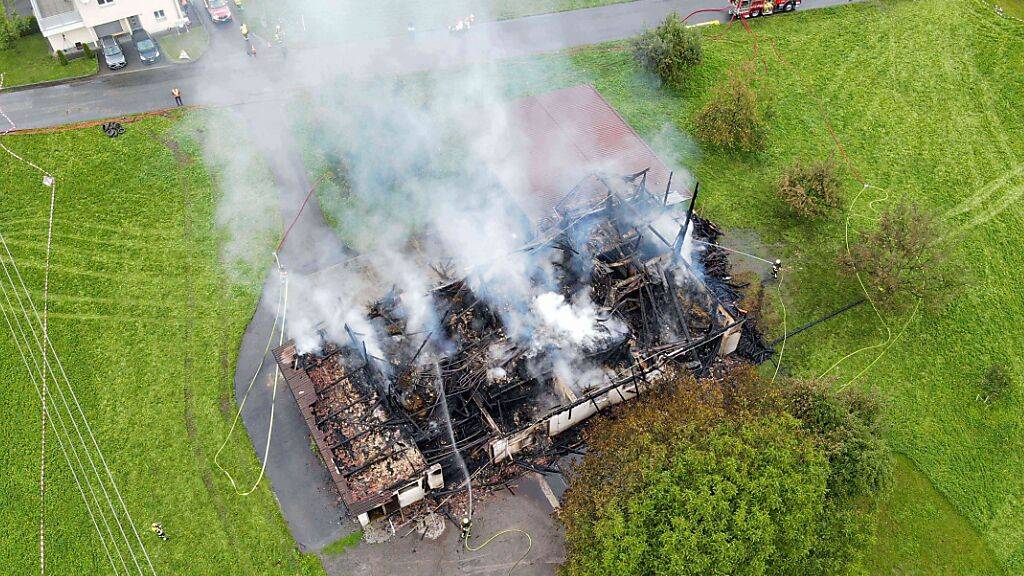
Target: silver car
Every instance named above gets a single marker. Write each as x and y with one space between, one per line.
112 53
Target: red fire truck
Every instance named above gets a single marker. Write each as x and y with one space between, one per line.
755 8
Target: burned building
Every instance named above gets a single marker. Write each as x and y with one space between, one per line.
616 292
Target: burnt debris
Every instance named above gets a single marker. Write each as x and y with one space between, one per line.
617 293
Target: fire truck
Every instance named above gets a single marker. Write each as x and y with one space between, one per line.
755 8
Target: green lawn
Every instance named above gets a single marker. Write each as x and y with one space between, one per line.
921 120
30 61
1013 7
908 541
148 324
194 42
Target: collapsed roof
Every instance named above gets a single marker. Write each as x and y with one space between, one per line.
617 280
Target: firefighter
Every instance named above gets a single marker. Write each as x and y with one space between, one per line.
238 6
245 31
776 268
158 529
465 524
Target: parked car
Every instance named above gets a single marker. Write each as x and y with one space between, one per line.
112 53
218 10
149 52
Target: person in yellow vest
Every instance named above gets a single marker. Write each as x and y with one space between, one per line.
177 96
158 529
245 31
238 6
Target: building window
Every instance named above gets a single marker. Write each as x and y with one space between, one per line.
159 15
104 2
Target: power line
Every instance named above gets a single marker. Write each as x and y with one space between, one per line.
46 348
60 441
42 367
48 345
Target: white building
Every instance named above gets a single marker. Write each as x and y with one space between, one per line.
68 24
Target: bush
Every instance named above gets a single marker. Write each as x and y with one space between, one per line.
901 258
734 117
62 58
7 33
810 189
671 50
87 51
997 384
25 25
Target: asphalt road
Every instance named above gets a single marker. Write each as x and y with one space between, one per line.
213 80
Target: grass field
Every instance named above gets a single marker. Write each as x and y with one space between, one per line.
922 122
1013 7
30 61
919 121
148 325
908 541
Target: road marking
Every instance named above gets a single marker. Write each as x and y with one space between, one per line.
546 489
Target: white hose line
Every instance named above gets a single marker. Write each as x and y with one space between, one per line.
281 314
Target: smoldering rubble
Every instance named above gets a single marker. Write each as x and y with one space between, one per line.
478 374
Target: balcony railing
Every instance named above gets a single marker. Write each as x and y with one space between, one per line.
57 21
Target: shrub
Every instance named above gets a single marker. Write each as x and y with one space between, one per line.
810 189
62 58
901 258
997 384
671 50
25 25
7 33
87 51
734 117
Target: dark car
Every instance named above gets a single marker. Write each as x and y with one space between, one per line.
149 52
112 53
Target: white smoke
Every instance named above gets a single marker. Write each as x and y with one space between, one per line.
575 323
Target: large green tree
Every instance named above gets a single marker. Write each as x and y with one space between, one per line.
725 479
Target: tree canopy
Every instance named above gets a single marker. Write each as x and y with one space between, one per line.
739 480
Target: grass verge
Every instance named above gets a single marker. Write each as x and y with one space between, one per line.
194 42
30 61
148 324
344 543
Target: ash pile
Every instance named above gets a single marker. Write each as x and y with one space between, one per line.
616 285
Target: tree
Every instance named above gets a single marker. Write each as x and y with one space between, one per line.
671 50
902 259
62 58
849 429
87 52
708 478
734 117
812 189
